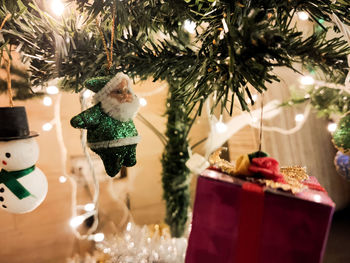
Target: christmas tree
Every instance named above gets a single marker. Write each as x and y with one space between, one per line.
230 51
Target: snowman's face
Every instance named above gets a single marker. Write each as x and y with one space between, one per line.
18 154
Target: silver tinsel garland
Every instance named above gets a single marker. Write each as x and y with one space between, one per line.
142 245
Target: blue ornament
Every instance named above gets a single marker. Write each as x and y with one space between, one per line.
342 164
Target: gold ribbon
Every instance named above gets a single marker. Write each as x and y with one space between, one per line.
293 175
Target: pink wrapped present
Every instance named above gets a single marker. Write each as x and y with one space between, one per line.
235 221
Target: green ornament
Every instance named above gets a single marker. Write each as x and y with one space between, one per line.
111 133
257 154
341 137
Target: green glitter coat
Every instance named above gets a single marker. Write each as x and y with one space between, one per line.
341 137
102 127
97 83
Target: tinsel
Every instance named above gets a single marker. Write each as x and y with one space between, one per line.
140 245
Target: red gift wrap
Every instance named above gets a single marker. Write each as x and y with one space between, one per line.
235 221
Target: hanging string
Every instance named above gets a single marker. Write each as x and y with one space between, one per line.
103 41
4 21
9 89
261 122
8 66
112 34
109 53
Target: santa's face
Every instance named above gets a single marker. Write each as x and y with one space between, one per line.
117 98
122 93
18 154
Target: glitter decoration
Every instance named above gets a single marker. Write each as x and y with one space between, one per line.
111 132
341 136
223 165
292 176
147 244
342 164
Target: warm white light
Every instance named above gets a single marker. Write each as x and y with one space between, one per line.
57 7
47 126
190 26
332 127
87 93
76 221
89 207
143 102
255 97
303 15
299 117
307 80
106 250
220 127
254 119
52 90
62 179
128 226
317 198
47 101
98 237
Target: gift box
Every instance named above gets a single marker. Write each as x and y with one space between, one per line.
238 221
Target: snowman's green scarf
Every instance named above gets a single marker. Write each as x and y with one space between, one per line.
10 180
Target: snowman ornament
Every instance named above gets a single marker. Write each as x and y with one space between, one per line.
23 186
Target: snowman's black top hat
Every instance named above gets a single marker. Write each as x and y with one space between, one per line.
14 124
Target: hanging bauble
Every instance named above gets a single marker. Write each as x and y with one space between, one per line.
23 186
111 132
341 136
342 164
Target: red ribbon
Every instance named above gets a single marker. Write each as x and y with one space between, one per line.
268 168
248 247
316 187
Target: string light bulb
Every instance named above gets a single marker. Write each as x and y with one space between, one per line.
99 237
128 227
47 126
220 127
332 127
302 15
47 101
89 207
76 221
307 80
143 102
57 7
62 179
189 26
52 90
87 94
255 97
299 117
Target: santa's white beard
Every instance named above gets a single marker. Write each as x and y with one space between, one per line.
120 111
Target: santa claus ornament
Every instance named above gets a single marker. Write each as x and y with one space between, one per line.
111 132
23 186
